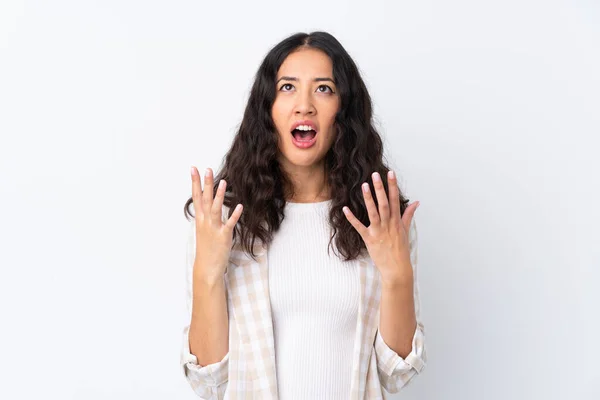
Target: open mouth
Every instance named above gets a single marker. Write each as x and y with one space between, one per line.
304 133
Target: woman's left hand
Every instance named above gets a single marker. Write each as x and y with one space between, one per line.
386 237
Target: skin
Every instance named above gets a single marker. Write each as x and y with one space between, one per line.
303 98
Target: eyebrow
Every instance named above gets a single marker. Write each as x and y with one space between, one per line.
293 78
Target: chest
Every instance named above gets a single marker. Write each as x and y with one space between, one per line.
314 288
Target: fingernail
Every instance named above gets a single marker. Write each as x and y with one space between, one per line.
391 174
376 177
192 170
207 172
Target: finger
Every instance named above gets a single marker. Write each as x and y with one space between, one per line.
395 217
355 222
217 210
408 215
207 192
382 199
370 203
235 216
196 192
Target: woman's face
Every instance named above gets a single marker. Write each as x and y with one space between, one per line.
305 92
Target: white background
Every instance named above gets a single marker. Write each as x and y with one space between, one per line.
490 113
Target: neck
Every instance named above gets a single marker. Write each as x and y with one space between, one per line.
309 185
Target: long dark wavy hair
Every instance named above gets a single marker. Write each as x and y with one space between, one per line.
252 171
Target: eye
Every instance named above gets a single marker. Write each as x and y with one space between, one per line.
326 87
284 85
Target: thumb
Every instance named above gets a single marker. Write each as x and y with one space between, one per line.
409 214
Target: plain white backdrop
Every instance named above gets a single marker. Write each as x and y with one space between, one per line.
490 112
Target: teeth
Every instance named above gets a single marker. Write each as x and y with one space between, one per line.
304 128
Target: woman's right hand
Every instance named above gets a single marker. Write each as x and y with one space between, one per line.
213 237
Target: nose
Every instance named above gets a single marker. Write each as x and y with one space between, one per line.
304 104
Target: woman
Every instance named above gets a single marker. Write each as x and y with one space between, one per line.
272 314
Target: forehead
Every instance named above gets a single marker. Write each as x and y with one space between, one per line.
307 63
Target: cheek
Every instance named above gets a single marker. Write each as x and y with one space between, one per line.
331 110
330 118
279 114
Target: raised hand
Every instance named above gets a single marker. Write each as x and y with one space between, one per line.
213 237
386 237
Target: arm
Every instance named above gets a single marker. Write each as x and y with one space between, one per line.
204 355
401 354
209 309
